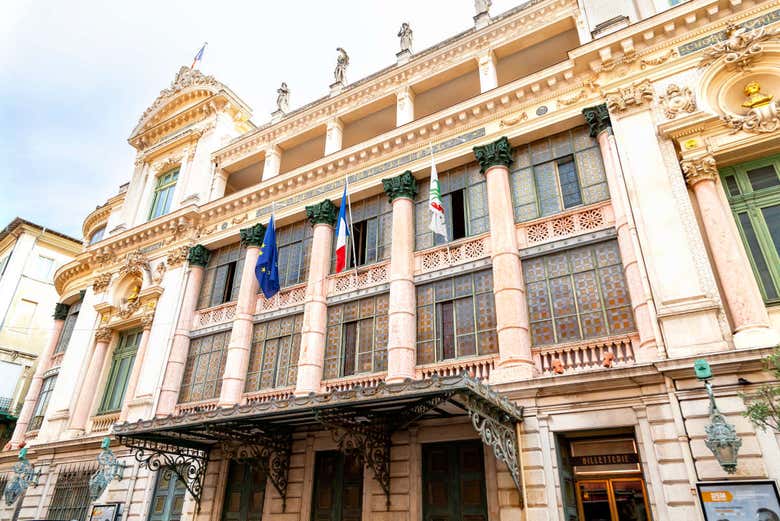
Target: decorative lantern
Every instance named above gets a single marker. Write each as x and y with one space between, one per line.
24 476
722 437
109 469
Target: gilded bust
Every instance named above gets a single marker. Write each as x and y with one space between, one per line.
755 98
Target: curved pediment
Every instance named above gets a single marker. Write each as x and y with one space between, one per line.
189 87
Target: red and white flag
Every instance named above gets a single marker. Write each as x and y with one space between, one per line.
342 231
438 224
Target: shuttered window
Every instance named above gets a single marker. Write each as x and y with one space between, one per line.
163 193
168 499
294 243
244 493
371 232
47 387
67 328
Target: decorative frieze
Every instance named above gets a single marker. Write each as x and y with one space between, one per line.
198 255
621 99
404 185
253 236
498 152
677 100
700 169
597 119
740 48
323 212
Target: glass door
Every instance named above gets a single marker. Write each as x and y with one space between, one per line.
618 499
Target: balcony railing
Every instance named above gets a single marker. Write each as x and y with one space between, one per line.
289 296
214 315
478 367
103 422
203 405
460 252
267 395
364 277
350 382
574 222
589 355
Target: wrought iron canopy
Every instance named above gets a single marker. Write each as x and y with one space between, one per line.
361 420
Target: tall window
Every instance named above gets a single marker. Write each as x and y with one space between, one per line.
577 294
121 367
456 317
453 477
97 235
753 191
273 361
223 276
338 487
43 403
67 328
71 493
168 499
557 173
357 337
294 242
202 378
464 196
372 228
163 193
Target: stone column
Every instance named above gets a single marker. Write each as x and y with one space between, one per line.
402 324
198 258
44 361
488 77
135 374
740 290
333 135
237 362
219 184
84 402
644 315
404 108
273 160
512 322
322 217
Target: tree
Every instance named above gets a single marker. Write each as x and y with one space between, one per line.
763 407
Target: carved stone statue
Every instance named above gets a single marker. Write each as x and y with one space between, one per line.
482 6
405 34
342 60
283 98
755 98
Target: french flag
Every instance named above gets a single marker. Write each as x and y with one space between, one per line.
342 231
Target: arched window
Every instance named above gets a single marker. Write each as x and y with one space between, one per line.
97 235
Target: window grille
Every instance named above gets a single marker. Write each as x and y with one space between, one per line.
357 337
70 499
203 371
273 361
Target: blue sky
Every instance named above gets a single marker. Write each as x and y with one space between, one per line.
75 77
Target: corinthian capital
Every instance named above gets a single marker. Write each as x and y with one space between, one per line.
700 169
103 334
498 152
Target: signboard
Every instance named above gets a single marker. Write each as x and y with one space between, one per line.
740 501
605 459
107 512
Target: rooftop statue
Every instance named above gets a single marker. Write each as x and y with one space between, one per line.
482 6
283 98
340 74
405 34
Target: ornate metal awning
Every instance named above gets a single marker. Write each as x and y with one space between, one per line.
362 421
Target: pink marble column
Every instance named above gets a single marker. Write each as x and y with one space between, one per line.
740 290
240 343
83 408
198 258
135 374
598 120
315 309
44 363
402 324
512 322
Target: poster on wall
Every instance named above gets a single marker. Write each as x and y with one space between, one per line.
740 501
104 512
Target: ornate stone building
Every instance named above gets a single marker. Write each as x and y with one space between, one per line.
611 183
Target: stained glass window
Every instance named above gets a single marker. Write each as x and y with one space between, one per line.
202 378
456 317
577 294
753 191
464 197
273 361
222 277
557 173
372 229
294 243
357 337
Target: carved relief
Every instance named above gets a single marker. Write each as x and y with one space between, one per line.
158 273
103 334
677 100
513 120
177 256
571 100
701 169
185 78
101 282
167 164
135 264
763 112
623 98
740 48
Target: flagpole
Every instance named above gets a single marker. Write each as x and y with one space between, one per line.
351 234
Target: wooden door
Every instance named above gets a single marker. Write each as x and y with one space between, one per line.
244 493
338 487
454 482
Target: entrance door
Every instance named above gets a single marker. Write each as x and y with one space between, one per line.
244 493
454 482
619 499
338 487
168 497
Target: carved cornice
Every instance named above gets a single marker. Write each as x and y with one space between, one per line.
253 236
623 98
700 169
322 213
198 255
498 152
404 185
597 119
61 311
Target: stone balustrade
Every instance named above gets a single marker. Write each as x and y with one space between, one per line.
350 382
103 422
203 405
214 315
588 355
267 395
363 277
477 367
562 225
289 296
458 252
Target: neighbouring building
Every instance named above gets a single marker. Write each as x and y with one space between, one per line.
29 256
610 179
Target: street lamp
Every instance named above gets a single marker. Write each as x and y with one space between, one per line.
109 469
722 437
24 476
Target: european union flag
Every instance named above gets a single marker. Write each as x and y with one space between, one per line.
267 267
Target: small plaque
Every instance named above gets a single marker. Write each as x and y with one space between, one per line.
542 110
605 459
